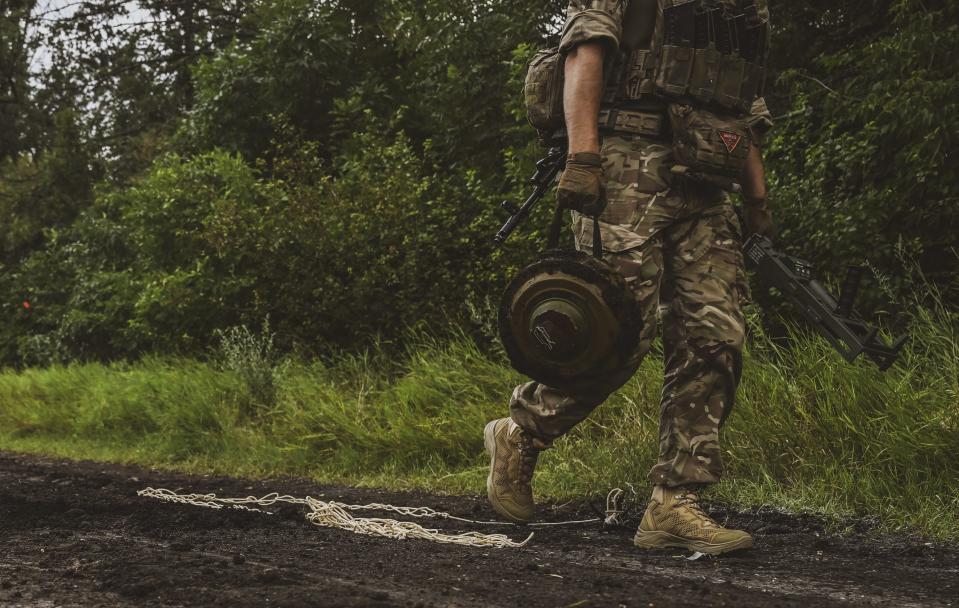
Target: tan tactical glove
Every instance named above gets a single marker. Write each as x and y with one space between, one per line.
758 218
582 186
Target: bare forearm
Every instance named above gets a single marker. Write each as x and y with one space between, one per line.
756 212
582 94
754 176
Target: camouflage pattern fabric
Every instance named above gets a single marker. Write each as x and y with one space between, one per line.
593 21
604 21
679 250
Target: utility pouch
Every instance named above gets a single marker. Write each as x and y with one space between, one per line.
729 90
543 91
706 65
708 143
678 48
675 70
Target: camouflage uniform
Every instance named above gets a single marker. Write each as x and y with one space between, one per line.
679 246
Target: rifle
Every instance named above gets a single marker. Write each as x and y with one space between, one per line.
547 168
835 319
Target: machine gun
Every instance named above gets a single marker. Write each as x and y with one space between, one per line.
835 319
547 168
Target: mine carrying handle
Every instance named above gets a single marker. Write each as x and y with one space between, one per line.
835 319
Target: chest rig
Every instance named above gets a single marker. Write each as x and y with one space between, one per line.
709 53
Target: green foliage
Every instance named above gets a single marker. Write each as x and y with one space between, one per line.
45 192
864 164
16 48
254 358
810 432
206 242
301 64
135 271
339 171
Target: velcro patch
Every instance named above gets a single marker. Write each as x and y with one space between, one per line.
732 140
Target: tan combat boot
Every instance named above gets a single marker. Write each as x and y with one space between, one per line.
675 519
513 456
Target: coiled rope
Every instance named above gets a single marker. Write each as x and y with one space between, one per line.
337 515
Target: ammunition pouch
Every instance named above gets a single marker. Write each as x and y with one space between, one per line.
708 52
706 143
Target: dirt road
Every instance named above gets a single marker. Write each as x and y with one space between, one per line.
76 534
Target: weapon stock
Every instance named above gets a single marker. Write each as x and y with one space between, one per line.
836 320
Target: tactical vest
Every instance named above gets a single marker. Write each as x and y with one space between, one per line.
709 53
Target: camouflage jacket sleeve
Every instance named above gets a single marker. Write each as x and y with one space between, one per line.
593 21
759 119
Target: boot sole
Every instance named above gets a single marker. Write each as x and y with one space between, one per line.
664 540
489 441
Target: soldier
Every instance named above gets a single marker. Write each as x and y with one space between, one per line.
675 239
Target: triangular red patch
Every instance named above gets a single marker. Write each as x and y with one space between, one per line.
731 140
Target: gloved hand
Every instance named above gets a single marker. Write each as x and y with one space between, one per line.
582 187
758 218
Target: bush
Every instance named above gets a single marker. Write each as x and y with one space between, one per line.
254 358
862 166
334 257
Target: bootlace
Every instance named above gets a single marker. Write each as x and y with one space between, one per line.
691 501
528 455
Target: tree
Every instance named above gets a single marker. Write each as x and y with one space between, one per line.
16 48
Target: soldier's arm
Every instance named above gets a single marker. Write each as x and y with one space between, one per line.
754 176
581 96
756 210
593 29
754 173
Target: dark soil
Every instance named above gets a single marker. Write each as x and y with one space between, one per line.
76 534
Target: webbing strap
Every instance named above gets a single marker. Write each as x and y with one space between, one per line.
556 226
652 124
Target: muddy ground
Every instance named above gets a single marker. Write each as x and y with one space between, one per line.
76 534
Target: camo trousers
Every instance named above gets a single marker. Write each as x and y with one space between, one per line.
679 249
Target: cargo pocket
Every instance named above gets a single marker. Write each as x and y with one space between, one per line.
616 239
619 211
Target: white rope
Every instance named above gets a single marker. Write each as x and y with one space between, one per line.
336 515
617 505
613 509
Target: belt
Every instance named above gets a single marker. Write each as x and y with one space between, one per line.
652 124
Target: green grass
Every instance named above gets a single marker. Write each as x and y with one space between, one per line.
810 432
